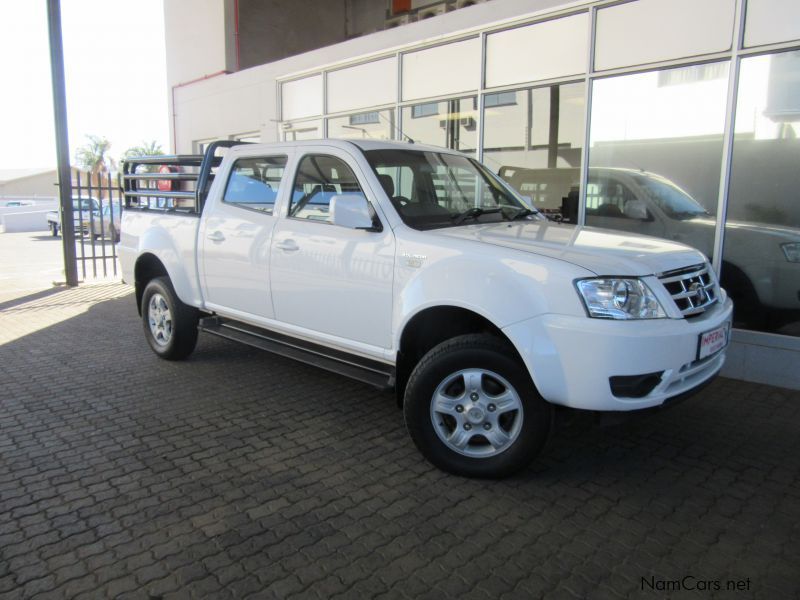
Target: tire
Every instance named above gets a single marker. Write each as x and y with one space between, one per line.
170 326
54 229
467 391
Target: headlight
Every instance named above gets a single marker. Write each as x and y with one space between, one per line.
791 251
619 299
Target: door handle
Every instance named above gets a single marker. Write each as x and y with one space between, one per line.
216 236
288 246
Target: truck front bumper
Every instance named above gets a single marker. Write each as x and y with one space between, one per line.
572 359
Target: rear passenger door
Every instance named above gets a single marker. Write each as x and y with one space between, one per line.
235 238
326 278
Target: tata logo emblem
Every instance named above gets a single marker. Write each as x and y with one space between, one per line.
700 294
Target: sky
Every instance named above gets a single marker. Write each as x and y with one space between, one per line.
115 71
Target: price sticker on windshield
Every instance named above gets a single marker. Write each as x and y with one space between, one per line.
713 341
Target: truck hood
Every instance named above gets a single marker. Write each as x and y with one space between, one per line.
600 251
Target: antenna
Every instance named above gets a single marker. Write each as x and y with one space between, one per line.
395 127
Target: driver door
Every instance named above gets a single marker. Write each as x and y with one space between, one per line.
329 278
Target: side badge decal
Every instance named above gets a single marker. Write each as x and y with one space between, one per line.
414 260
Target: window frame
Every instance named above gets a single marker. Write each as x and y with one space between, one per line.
273 213
377 225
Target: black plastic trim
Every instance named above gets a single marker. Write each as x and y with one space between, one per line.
373 372
634 386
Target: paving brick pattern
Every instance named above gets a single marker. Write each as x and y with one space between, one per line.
237 474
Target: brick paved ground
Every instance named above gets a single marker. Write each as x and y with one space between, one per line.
239 474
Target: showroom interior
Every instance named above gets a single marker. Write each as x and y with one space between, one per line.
597 112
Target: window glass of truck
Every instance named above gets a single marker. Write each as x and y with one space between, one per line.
443 190
321 178
254 182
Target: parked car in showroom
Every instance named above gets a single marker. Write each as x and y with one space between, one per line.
761 264
415 268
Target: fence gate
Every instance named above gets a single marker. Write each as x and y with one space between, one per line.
97 204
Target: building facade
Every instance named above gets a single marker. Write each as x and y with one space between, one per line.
673 118
28 184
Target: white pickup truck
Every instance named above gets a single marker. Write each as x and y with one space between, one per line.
83 208
415 268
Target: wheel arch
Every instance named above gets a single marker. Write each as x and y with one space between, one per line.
433 325
148 267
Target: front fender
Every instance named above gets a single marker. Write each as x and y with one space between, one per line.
503 286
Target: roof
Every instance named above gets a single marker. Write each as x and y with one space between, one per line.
347 143
386 145
7 175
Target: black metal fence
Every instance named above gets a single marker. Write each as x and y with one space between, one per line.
97 202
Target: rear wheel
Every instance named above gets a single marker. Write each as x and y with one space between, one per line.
170 326
53 229
472 409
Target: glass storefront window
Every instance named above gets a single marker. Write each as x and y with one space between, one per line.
656 153
295 131
449 123
533 138
761 257
372 125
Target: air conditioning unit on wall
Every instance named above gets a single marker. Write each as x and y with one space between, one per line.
468 3
399 21
433 10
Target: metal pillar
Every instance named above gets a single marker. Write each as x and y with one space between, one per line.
62 141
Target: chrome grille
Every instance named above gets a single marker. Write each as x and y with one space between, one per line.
692 288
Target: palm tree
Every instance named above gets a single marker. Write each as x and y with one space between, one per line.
93 157
151 148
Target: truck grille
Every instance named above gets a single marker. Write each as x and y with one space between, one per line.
692 288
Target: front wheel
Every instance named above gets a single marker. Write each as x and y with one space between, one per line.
170 326
472 409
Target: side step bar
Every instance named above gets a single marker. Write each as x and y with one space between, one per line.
366 370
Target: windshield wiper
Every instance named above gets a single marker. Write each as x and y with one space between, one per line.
518 213
473 213
684 215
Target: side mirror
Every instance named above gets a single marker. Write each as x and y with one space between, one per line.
352 211
636 209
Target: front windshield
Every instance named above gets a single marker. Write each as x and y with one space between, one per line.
675 203
433 189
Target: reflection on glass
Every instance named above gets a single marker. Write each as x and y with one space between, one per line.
533 140
250 138
656 153
295 131
449 123
372 125
761 257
